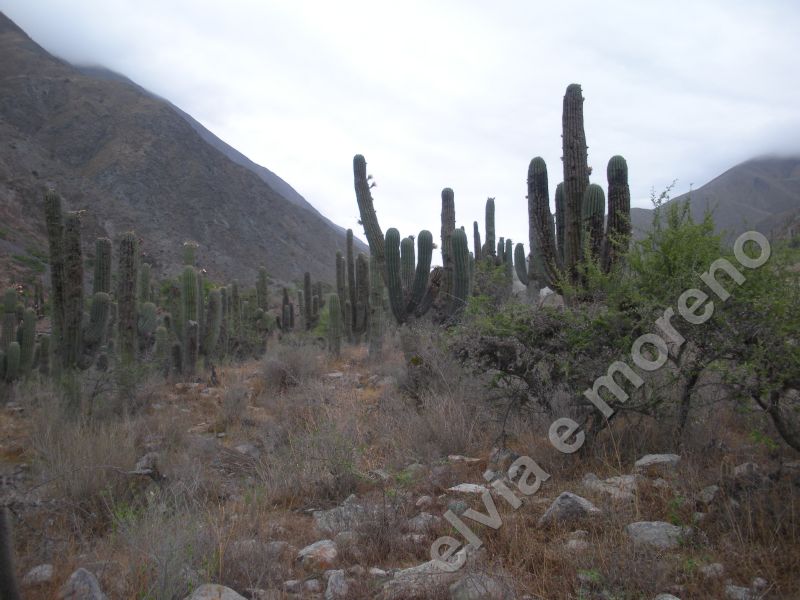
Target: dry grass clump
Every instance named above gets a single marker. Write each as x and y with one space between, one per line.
290 364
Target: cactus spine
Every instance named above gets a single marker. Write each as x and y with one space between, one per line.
351 287
144 284
102 266
97 328
576 174
360 323
560 223
9 318
407 262
126 296
213 322
618 228
12 361
191 347
393 278
476 241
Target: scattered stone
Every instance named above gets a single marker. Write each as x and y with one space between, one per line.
666 597
734 592
415 538
712 571
468 488
699 517
338 587
478 586
248 450
319 555
424 502
334 375
212 591
501 459
293 586
423 523
356 571
416 581
620 488
657 462
747 475
376 572
759 585
341 518
553 301
147 464
657 534
313 586
708 494
577 541
458 458
490 475
380 474
82 585
568 507
661 484
38 575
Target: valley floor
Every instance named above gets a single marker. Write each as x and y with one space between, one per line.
300 476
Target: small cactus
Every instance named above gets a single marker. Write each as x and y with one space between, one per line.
520 264
490 248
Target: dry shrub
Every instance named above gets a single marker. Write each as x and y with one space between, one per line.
290 364
84 463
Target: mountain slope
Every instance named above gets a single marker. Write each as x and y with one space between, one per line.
133 162
760 194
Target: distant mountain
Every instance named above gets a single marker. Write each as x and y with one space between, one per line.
761 194
134 161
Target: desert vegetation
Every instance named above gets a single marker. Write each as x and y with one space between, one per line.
187 438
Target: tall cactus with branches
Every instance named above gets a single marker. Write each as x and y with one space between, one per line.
576 174
73 292
127 314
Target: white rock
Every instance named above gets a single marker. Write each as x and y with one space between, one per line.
338 587
733 592
468 488
478 586
708 494
319 555
759 584
657 534
39 574
82 585
666 597
712 571
424 502
423 523
620 488
458 458
212 591
660 461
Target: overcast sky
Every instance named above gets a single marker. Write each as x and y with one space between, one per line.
457 94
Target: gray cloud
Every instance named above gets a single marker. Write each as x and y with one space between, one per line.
453 94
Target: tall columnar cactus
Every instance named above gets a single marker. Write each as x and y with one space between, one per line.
334 325
309 305
127 313
501 251
544 267
213 322
73 291
461 282
147 323
375 320
593 210
286 312
102 266
520 264
55 236
191 347
576 174
361 320
341 278
408 261
190 296
27 341
161 353
618 228
476 241
9 331
366 209
508 260
490 241
406 302
190 253
43 355
448 227
560 223
235 304
351 283
12 361
97 328
145 294
262 290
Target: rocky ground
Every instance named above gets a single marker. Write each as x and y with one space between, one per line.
314 488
